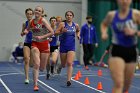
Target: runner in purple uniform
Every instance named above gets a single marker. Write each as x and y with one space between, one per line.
68 29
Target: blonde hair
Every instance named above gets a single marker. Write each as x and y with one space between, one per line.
58 17
41 8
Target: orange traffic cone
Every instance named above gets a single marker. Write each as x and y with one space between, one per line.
76 77
100 73
79 74
86 81
126 92
99 86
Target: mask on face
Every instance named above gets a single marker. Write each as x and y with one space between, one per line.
20 46
89 22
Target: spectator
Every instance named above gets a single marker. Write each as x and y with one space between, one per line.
88 38
18 53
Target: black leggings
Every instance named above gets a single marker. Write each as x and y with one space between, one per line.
88 53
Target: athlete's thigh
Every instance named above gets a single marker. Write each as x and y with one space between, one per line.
70 56
27 51
35 55
117 66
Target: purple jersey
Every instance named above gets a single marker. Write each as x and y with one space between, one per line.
118 35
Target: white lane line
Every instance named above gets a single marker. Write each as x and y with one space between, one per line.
9 91
88 85
48 86
20 72
111 79
79 83
9 74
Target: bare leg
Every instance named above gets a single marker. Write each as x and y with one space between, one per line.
27 53
70 59
54 60
63 57
36 58
117 68
44 61
129 73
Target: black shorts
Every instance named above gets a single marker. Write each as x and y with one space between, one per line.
28 44
53 48
129 54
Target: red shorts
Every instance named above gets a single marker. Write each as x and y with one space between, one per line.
44 46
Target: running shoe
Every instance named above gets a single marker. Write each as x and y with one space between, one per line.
96 64
48 76
68 83
36 88
86 67
137 67
103 65
26 81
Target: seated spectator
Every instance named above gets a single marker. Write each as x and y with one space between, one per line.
18 53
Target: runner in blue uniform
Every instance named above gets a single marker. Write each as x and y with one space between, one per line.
123 54
27 44
68 29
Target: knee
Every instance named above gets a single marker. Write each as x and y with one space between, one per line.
119 83
69 64
26 59
36 66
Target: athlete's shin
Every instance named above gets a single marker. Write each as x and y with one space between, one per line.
69 71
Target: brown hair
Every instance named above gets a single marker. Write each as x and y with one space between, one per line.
52 18
28 9
89 17
70 12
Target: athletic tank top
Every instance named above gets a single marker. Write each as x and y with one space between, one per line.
28 38
68 38
54 40
118 35
38 29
